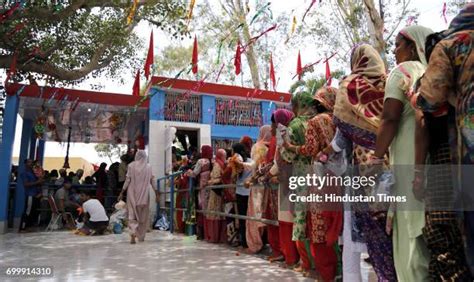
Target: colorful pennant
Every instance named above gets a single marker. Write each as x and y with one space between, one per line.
149 57
195 56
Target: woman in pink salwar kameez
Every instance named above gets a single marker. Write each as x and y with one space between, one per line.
137 185
258 198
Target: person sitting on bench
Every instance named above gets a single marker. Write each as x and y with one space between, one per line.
95 218
63 201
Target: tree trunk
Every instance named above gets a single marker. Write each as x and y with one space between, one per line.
376 26
249 52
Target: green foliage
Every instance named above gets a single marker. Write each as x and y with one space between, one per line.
311 85
339 25
83 38
112 152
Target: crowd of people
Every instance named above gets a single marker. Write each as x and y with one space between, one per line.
420 113
417 114
69 189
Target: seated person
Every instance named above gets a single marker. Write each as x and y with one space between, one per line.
95 218
62 198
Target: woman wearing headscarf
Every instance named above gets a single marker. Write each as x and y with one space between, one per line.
247 142
302 104
216 227
138 181
444 95
324 223
257 197
357 116
271 184
396 135
202 169
283 170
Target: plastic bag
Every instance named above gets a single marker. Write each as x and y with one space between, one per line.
385 183
117 228
162 223
337 163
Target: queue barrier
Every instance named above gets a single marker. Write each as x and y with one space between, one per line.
191 189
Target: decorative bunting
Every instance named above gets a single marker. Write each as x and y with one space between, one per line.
299 68
272 73
195 56
136 85
17 28
9 12
259 12
444 12
219 73
190 10
309 8
132 12
254 39
12 70
237 59
293 26
149 57
328 74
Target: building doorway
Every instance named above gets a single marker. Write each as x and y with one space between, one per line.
189 139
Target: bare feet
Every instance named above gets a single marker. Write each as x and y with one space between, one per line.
299 269
132 239
276 258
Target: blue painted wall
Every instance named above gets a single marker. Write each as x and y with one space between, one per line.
208 113
26 133
157 104
6 152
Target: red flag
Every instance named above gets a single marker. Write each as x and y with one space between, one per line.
444 13
299 68
328 74
195 56
136 85
12 70
237 59
149 57
272 72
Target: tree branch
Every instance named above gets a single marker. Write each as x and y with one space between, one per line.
405 7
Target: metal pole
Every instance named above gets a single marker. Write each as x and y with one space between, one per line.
158 206
171 203
189 202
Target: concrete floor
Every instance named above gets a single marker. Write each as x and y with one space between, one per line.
162 257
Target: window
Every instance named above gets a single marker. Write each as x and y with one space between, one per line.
182 107
238 112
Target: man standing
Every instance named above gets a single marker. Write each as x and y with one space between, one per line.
32 186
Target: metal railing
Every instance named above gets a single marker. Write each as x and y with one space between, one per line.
171 192
191 189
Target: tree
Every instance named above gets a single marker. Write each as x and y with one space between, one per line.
66 43
312 84
339 25
219 28
111 151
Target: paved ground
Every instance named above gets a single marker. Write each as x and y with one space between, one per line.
162 257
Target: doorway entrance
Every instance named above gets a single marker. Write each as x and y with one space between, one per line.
189 139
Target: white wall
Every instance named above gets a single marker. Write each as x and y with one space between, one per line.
157 141
157 146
